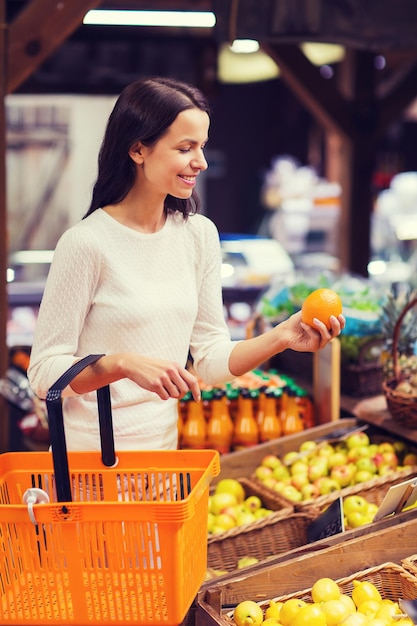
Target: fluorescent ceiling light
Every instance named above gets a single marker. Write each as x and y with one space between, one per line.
190 19
244 46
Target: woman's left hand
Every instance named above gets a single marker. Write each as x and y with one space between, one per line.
304 338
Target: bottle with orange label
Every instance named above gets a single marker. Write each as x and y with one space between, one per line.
270 427
305 407
290 416
246 430
220 425
194 429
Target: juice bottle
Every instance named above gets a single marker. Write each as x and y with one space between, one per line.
271 427
246 431
291 420
220 424
194 430
305 407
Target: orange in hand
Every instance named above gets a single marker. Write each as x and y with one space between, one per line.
321 303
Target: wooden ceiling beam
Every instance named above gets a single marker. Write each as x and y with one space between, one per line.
37 31
317 94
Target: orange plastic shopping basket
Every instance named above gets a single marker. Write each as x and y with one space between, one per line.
101 538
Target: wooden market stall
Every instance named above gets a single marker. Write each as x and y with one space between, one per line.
353 112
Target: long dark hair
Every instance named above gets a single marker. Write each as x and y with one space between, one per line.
143 112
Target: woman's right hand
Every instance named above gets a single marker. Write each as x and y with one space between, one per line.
165 378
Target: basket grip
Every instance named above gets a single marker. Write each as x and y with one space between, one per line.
57 431
396 336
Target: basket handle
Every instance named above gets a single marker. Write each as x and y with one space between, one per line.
57 432
396 336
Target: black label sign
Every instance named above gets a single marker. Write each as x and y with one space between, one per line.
328 523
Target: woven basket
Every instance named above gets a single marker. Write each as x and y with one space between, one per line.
392 581
402 406
282 508
410 564
373 490
273 535
365 377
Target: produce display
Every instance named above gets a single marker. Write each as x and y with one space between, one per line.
320 468
328 604
230 507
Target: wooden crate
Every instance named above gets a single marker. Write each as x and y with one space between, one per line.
391 539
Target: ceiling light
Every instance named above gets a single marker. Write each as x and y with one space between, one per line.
323 53
244 46
244 62
190 19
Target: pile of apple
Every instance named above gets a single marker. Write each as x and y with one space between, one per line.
318 469
329 606
229 507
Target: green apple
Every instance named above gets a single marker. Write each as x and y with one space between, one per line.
355 502
307 445
366 463
245 517
299 467
343 474
336 459
299 480
410 459
225 521
280 472
291 493
328 485
357 439
386 446
290 457
325 450
317 467
262 471
362 476
252 503
271 461
220 501
248 613
355 519
310 491
231 486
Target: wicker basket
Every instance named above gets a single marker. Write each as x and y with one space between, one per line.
373 490
410 564
402 406
365 377
392 581
272 535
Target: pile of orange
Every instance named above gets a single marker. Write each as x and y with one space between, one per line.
321 304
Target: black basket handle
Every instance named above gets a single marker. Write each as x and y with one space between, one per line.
57 432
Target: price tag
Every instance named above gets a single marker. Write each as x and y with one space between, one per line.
397 498
329 523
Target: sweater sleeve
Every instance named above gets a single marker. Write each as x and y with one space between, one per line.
66 300
211 343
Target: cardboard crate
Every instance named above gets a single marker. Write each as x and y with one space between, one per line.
391 539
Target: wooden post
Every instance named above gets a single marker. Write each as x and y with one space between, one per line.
4 412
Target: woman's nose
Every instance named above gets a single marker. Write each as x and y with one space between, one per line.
200 162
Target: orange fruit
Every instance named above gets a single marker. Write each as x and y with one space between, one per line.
321 303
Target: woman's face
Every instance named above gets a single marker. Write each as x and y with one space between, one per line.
172 165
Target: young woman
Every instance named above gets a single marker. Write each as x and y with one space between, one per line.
138 280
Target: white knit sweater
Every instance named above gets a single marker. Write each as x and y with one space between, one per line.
113 289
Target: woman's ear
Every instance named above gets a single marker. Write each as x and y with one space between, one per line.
136 153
